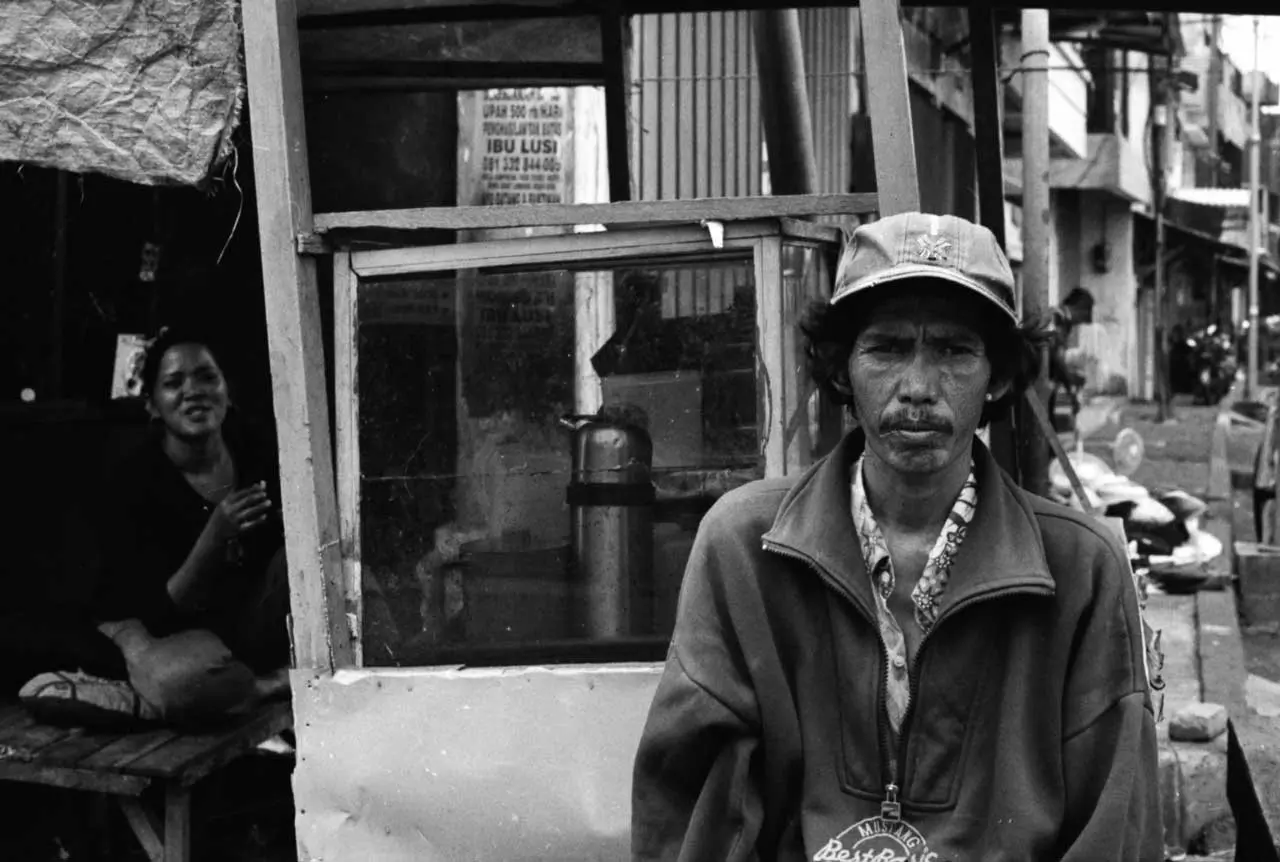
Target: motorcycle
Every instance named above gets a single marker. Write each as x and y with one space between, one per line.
1212 354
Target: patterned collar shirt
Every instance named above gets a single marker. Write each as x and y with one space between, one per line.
928 591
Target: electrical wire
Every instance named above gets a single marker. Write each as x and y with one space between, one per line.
235 181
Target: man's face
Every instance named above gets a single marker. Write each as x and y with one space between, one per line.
919 376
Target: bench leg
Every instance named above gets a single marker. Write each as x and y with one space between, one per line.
170 842
144 827
177 824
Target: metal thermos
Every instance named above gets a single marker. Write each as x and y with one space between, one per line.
611 507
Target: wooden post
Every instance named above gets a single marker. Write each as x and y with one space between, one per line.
988 131
784 102
889 106
177 824
613 27
346 383
319 624
1035 224
1160 300
1255 228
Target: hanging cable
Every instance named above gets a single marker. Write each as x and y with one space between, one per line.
235 181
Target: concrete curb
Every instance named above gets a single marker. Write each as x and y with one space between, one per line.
1220 647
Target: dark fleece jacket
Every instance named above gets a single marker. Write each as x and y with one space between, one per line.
1030 735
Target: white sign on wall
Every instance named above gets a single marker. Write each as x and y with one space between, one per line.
520 147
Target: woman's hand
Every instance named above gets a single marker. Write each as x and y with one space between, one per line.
239 512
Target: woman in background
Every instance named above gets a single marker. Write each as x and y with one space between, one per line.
194 588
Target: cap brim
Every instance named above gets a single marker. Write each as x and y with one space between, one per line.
930 273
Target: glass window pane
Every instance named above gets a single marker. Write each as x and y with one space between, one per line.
499 524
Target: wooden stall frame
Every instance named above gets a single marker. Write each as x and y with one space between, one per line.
320 581
318 621
889 105
346 361
781 397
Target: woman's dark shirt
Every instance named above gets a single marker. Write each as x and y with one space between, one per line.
153 519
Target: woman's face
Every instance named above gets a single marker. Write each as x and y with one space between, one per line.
190 393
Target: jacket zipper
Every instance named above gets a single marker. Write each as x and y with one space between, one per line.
891 791
890 807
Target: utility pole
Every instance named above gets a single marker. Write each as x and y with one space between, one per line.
784 102
1211 94
1162 91
1255 167
1035 226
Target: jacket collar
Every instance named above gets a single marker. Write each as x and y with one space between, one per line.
1002 550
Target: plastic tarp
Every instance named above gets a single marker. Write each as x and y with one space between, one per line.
147 91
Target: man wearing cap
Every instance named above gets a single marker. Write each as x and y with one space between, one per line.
900 654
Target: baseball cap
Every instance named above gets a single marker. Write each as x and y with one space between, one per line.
918 245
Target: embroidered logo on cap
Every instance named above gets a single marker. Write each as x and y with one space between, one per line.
933 248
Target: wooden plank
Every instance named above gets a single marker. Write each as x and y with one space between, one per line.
798 229
189 757
888 105
422 84
24 737
318 625
346 390
394 264
177 824
431 10
567 74
144 827
73 778
117 756
318 8
75 747
770 361
545 250
627 212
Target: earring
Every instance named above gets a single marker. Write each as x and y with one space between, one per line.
988 396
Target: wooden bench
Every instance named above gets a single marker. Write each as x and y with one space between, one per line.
125 765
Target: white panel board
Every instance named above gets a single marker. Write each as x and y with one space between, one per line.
509 763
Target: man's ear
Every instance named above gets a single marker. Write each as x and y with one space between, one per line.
998 389
840 382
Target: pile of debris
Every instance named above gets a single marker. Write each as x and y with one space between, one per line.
1163 528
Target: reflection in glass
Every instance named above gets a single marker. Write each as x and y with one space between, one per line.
538 447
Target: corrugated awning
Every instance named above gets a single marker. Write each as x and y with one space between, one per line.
1212 197
1230 247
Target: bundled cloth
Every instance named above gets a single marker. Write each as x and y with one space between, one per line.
1163 529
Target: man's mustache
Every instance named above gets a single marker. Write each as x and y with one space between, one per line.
909 422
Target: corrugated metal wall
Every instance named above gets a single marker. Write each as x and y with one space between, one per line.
830 64
694 103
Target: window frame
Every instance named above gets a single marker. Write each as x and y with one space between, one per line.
762 239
